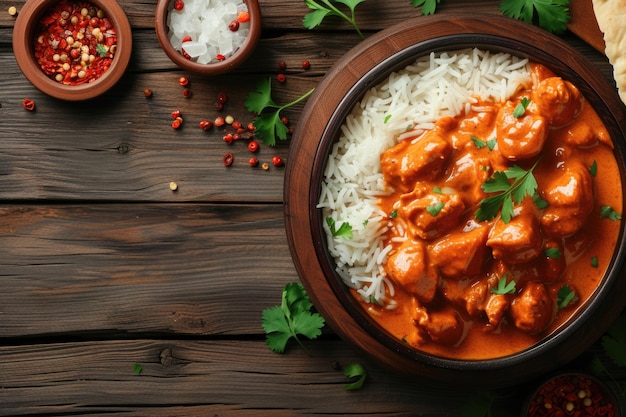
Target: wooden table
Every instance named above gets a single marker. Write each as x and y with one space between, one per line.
104 268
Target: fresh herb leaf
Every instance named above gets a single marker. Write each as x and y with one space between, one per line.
607 212
553 253
137 368
322 8
539 202
593 169
374 300
437 190
504 287
435 209
268 124
428 6
101 49
524 184
479 143
354 370
551 15
520 109
345 230
565 296
292 318
387 117
614 341
393 214
594 261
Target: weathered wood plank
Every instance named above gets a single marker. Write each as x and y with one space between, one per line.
225 378
179 268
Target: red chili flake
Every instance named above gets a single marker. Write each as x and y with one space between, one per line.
147 92
183 81
179 5
228 159
206 124
219 121
251 127
220 57
282 65
236 125
228 138
284 120
234 25
28 104
277 161
243 16
186 39
187 93
176 123
222 98
253 162
253 146
306 65
176 114
281 78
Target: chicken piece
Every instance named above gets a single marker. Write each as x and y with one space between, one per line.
461 254
411 161
570 199
480 300
495 308
466 176
519 240
408 267
476 296
433 214
520 137
558 101
578 133
533 310
442 326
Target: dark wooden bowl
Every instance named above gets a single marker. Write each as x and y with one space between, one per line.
217 68
23 37
365 66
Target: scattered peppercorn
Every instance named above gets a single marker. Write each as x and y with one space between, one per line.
12 11
219 106
281 78
222 98
306 65
253 162
234 25
219 121
28 104
183 81
277 161
220 57
228 138
251 127
265 166
282 65
228 159
187 93
179 5
243 16
173 186
176 123
176 114
284 120
236 125
253 146
206 124
147 92
229 119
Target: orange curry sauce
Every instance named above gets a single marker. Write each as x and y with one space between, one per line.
446 266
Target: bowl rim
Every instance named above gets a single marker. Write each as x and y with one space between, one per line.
217 68
454 33
24 31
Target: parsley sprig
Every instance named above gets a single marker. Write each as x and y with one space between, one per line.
267 123
524 184
345 230
290 319
503 286
323 8
428 6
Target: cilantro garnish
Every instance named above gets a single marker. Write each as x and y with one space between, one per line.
345 230
593 169
551 15
387 117
428 6
325 8
479 143
393 214
607 212
539 202
553 253
435 209
504 287
101 49
520 109
565 296
290 319
524 184
354 370
437 190
137 368
267 123
594 261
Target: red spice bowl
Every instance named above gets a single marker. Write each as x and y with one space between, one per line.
572 394
232 37
77 66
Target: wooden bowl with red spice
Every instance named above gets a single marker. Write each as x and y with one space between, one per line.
77 66
208 38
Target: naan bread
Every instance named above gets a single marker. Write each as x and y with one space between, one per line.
611 17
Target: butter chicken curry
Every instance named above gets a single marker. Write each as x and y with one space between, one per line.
503 221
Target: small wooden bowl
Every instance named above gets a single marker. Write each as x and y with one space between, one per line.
319 128
217 68
23 41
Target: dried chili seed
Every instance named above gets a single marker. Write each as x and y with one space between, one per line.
265 166
222 98
228 138
206 124
220 57
253 162
229 119
186 93
236 125
183 81
179 5
228 159
28 104
251 127
306 65
176 123
176 113
12 11
277 161
281 78
219 121
253 146
243 16
234 25
147 92
173 186
235 136
282 65
186 39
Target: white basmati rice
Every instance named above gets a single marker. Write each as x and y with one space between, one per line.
412 99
